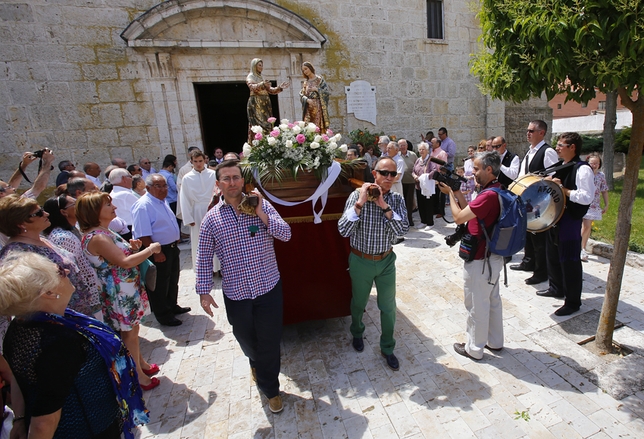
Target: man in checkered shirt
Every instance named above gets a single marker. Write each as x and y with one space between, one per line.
373 227
250 278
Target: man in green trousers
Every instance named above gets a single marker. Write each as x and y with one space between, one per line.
372 227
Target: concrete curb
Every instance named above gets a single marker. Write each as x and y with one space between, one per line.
635 260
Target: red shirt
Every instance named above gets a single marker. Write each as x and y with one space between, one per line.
486 207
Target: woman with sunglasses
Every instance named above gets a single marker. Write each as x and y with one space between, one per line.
62 232
23 220
76 376
125 301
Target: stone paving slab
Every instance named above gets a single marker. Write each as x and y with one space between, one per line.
331 391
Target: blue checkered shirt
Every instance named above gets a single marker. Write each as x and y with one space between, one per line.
244 246
371 232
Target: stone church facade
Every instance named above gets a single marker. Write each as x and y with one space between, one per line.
93 80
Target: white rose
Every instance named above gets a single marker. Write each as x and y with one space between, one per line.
343 148
333 146
255 142
311 128
289 143
317 138
284 122
301 124
246 149
315 145
297 130
337 137
272 140
283 127
256 129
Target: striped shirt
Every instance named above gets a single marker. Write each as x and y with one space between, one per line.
244 246
371 232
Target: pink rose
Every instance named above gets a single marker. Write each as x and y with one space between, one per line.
290 125
271 119
329 132
317 129
275 132
325 137
300 138
259 136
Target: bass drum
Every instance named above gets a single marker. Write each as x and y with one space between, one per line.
544 201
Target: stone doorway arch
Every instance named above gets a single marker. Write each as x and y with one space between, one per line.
179 43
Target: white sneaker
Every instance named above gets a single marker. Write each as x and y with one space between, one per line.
420 226
428 228
584 255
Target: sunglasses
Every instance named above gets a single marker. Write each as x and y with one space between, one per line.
531 131
387 173
40 212
497 146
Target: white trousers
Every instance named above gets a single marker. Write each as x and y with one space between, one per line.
483 304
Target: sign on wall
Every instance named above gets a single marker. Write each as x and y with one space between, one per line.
361 100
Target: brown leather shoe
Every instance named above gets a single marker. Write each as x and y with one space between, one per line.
275 404
459 348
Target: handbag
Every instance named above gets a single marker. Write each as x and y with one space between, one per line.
148 274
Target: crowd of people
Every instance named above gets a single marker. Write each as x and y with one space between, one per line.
74 272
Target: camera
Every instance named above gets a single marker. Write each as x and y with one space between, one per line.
38 154
452 239
450 178
373 193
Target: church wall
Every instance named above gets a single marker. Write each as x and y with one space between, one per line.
69 82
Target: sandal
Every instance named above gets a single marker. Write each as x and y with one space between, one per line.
153 370
154 383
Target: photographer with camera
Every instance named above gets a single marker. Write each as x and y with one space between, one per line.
40 183
373 217
481 287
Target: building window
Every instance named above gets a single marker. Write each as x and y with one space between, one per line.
558 106
602 105
435 19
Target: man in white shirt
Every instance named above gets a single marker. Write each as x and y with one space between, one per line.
197 188
93 172
146 167
123 197
539 157
510 162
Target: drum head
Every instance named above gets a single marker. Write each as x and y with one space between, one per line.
544 201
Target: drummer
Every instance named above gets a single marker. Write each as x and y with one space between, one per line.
563 246
539 156
510 162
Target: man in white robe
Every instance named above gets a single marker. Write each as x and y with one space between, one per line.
197 188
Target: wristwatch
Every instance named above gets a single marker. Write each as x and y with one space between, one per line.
388 209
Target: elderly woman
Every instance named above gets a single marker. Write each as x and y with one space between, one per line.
116 261
259 107
314 97
23 220
63 233
423 166
75 374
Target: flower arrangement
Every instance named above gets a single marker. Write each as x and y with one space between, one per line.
290 146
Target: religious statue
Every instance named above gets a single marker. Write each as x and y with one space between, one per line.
314 97
259 107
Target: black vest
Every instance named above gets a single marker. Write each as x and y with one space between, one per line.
537 161
507 161
568 178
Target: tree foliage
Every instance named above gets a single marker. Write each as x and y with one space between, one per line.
555 46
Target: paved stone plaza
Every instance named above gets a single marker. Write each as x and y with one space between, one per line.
331 391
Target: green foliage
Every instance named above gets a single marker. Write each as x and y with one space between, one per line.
553 46
623 140
592 143
525 415
366 138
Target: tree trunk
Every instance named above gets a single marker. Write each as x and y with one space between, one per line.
604 336
610 120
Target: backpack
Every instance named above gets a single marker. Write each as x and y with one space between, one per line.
508 234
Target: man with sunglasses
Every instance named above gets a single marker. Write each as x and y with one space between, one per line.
509 161
372 227
539 156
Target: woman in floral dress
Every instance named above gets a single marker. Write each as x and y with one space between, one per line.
595 210
125 300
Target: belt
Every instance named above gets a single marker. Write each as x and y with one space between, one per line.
171 245
378 257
